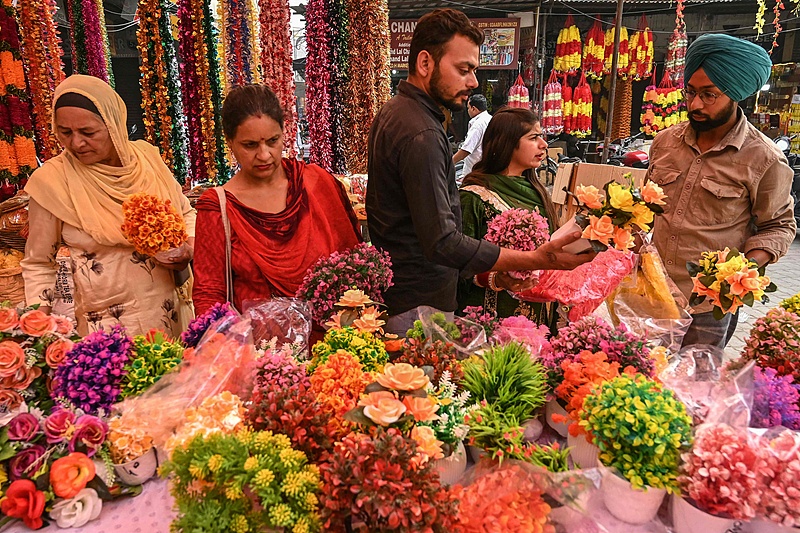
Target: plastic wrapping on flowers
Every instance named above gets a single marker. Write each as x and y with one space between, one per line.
222 361
466 337
650 303
584 288
519 497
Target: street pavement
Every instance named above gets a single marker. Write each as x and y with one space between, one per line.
786 275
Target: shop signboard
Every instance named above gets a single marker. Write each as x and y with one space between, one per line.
500 49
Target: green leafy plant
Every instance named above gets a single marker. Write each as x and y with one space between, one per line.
792 304
246 482
508 379
418 332
640 428
153 357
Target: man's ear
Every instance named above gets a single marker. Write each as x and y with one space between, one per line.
425 63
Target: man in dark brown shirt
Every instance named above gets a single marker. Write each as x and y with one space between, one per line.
727 184
413 207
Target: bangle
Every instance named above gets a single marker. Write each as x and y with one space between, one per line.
492 285
481 280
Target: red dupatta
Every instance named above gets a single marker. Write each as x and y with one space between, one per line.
316 222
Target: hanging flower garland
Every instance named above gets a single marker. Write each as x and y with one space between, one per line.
651 121
594 51
678 43
671 105
582 108
622 61
566 104
340 66
776 22
160 88
369 80
42 59
760 20
641 52
17 149
318 82
568 48
623 107
238 31
90 52
195 76
276 64
215 83
552 119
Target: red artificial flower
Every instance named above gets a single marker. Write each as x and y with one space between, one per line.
23 501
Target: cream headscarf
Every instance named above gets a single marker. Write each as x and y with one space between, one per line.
90 197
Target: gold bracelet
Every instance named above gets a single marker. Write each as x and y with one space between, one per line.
492 285
475 281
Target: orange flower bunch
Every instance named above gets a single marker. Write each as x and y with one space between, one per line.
610 217
26 151
359 312
152 225
8 158
338 383
504 500
581 376
222 413
128 438
12 71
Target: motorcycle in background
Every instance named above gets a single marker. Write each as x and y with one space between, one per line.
784 143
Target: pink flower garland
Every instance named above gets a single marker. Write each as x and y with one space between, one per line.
276 64
96 56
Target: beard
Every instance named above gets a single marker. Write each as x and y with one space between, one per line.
437 93
711 123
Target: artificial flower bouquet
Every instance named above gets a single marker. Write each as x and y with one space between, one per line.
55 466
338 384
774 342
520 329
243 481
152 225
792 304
450 427
32 345
610 218
776 400
153 355
367 347
363 267
401 398
439 355
729 280
519 229
461 334
641 430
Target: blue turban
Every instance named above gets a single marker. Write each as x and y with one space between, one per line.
738 68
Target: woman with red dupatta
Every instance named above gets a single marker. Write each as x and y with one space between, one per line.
283 214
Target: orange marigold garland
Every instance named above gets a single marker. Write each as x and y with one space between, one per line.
276 64
152 225
568 48
41 55
16 125
594 51
624 57
641 52
161 98
581 108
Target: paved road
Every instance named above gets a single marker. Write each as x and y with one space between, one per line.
786 275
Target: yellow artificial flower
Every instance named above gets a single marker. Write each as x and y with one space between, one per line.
620 197
731 266
642 216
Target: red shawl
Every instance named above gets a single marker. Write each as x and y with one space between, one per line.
272 252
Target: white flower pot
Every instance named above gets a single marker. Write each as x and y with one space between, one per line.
553 407
630 505
768 526
686 518
584 454
139 470
453 467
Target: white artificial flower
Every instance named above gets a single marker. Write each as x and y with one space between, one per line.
77 511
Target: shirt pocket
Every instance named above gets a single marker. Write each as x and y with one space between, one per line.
667 179
716 202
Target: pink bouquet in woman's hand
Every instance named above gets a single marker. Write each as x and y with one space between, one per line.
519 229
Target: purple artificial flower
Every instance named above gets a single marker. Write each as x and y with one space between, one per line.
89 431
26 463
58 425
198 327
775 400
90 378
24 427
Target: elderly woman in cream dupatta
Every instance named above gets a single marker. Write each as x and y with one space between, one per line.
77 198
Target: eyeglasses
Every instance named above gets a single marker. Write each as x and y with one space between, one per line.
706 97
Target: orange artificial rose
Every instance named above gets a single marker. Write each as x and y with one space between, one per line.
22 378
70 474
429 447
623 239
744 282
36 323
382 407
12 358
354 298
599 229
701 290
422 409
64 325
55 354
404 377
589 196
653 194
9 319
9 399
369 322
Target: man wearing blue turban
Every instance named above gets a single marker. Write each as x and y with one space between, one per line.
728 185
